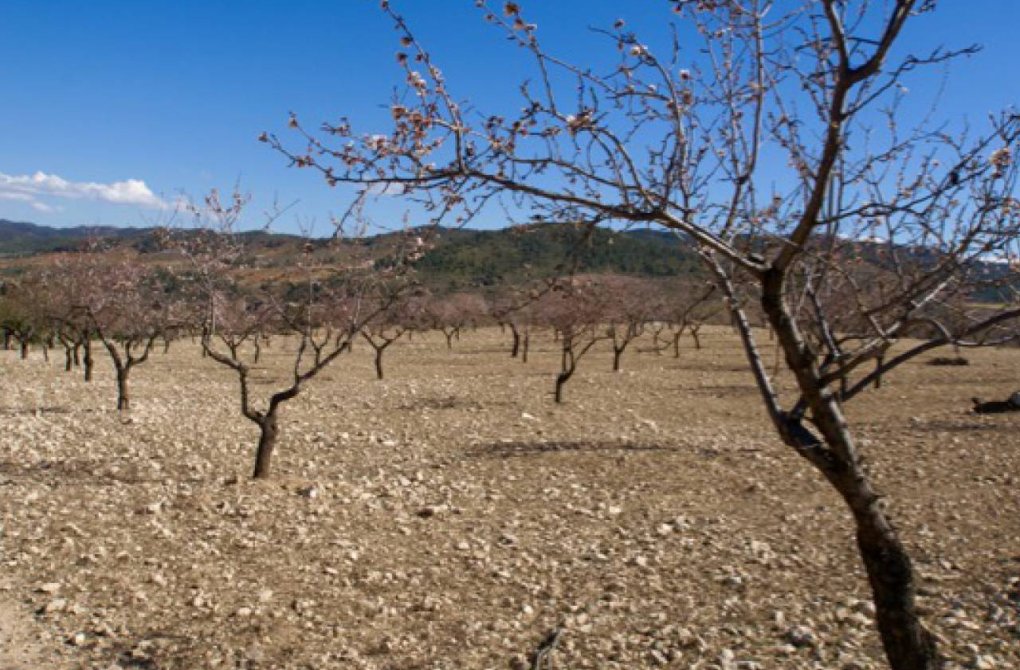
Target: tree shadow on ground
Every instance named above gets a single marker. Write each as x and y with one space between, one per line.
78 470
523 448
57 409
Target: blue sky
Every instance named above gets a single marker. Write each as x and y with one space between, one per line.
109 107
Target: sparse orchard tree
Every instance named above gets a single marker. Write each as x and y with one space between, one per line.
515 307
324 298
21 315
575 310
629 306
452 313
773 136
393 315
688 309
125 308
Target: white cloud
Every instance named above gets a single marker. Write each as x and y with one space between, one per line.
387 188
29 188
19 197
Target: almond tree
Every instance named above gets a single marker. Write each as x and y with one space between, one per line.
450 314
515 307
772 136
387 325
575 310
20 316
629 305
324 310
125 308
688 309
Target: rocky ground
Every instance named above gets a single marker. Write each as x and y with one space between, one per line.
451 516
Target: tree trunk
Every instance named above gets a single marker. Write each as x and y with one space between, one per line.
68 358
87 360
525 346
268 431
378 363
123 400
561 380
697 339
908 645
879 362
24 349
516 346
77 359
617 353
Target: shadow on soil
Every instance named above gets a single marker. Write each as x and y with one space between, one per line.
54 472
519 449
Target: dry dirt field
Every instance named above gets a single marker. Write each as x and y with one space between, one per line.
451 515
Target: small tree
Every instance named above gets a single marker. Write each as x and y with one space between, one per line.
125 308
575 311
390 320
450 314
323 306
688 309
629 305
20 315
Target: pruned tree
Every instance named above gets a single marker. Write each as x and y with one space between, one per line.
70 289
773 137
515 306
575 310
629 304
21 316
391 318
450 314
125 308
323 306
687 310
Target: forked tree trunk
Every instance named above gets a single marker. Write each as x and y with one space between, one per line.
907 643
268 432
378 362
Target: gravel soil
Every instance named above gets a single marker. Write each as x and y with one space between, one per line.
451 515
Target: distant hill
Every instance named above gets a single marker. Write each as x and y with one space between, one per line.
459 259
472 258
18 238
